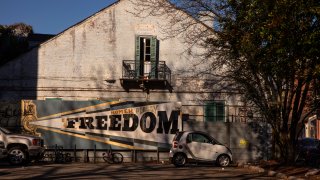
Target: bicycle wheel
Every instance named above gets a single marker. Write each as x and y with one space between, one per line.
106 157
117 158
67 157
59 157
48 158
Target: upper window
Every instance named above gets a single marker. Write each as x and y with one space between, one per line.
214 111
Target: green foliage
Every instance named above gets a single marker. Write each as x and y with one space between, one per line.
272 49
269 49
13 41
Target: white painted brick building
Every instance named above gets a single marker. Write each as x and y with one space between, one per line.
88 62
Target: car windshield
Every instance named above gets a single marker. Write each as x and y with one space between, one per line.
213 140
217 142
4 130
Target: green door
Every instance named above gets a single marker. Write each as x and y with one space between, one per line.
140 52
153 58
138 57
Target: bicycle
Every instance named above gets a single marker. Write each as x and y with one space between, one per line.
57 156
48 158
112 157
61 157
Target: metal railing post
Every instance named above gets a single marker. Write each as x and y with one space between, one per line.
158 156
132 155
75 153
94 154
55 152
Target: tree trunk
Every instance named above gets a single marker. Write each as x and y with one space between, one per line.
287 148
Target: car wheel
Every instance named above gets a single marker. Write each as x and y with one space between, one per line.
223 160
179 160
17 156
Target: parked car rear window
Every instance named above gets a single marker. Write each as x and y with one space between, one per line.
5 131
178 136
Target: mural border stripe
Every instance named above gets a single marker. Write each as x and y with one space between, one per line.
90 138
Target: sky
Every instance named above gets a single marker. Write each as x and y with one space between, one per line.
49 16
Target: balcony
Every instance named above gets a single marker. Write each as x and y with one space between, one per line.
145 77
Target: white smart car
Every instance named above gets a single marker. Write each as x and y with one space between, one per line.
196 146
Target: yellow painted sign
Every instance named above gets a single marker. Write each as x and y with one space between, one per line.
243 142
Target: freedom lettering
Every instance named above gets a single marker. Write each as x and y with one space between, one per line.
129 122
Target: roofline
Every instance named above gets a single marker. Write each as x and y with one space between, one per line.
80 22
197 20
112 4
59 34
44 34
91 16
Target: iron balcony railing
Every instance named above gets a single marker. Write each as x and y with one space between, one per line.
160 72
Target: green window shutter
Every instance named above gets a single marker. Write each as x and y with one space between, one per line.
137 60
210 110
214 111
53 99
153 58
220 111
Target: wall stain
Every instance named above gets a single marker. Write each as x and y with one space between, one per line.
73 36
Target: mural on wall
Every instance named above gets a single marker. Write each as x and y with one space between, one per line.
10 113
29 114
124 125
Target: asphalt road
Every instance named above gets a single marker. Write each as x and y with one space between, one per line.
125 171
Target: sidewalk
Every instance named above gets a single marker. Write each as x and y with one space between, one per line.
126 171
274 169
270 169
